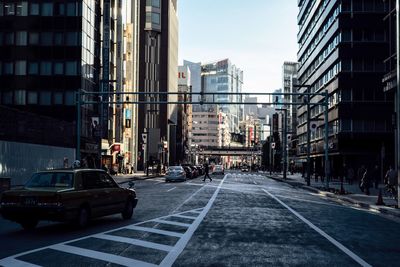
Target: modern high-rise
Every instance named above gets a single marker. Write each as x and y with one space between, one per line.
342 46
289 79
224 77
49 50
157 23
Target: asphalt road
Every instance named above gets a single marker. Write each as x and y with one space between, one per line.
239 219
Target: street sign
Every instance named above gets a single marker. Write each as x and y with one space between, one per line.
186 151
313 126
144 137
273 145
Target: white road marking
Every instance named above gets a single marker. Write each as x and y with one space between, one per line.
184 216
171 222
181 244
134 241
159 182
11 262
318 230
169 190
101 256
254 182
153 230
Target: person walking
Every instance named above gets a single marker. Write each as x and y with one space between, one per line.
366 182
206 175
391 182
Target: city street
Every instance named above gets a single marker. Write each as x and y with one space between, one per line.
240 219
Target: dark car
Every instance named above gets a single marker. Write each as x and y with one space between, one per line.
189 172
68 195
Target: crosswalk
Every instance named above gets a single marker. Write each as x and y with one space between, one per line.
182 222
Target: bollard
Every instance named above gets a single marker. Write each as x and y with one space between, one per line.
380 199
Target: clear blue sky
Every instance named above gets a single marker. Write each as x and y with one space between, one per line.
258 36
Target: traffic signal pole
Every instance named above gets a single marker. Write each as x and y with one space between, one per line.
326 139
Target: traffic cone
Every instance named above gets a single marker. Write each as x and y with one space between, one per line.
380 198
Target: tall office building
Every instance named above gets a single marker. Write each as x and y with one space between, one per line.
49 51
157 23
289 78
224 77
342 47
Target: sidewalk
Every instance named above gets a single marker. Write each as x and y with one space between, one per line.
352 194
125 178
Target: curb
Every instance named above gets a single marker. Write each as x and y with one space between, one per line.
383 210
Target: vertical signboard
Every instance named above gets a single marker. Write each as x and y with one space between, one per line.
106 64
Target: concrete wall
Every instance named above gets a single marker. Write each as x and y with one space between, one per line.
20 160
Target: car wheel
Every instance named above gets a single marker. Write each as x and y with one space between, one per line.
29 224
83 217
128 211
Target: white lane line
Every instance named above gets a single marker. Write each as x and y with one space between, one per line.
159 182
169 190
101 256
171 222
134 241
318 230
11 262
184 216
311 201
181 244
155 231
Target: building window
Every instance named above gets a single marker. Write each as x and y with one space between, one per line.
58 68
33 68
58 98
34 9
71 68
45 98
69 98
20 67
22 9
32 98
7 97
21 38
59 9
9 38
20 97
71 9
33 38
9 9
71 38
153 3
45 68
58 38
8 68
152 17
47 9
46 38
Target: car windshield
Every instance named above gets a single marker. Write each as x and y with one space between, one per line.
51 179
175 168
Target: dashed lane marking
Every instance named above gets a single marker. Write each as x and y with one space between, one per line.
169 190
319 231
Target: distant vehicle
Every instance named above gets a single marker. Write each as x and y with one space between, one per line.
245 168
201 169
191 171
71 195
175 173
218 169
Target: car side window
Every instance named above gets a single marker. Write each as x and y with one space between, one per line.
91 180
107 181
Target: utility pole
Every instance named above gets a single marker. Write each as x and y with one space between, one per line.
308 141
397 101
284 141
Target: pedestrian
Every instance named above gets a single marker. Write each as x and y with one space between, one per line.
360 173
206 172
376 176
366 182
391 182
350 175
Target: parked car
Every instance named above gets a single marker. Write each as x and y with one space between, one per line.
67 195
175 173
201 169
218 169
189 172
245 168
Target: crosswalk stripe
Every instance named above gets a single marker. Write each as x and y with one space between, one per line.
134 241
153 230
184 216
12 262
171 222
101 256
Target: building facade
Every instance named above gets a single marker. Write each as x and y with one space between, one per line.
342 47
157 23
49 52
